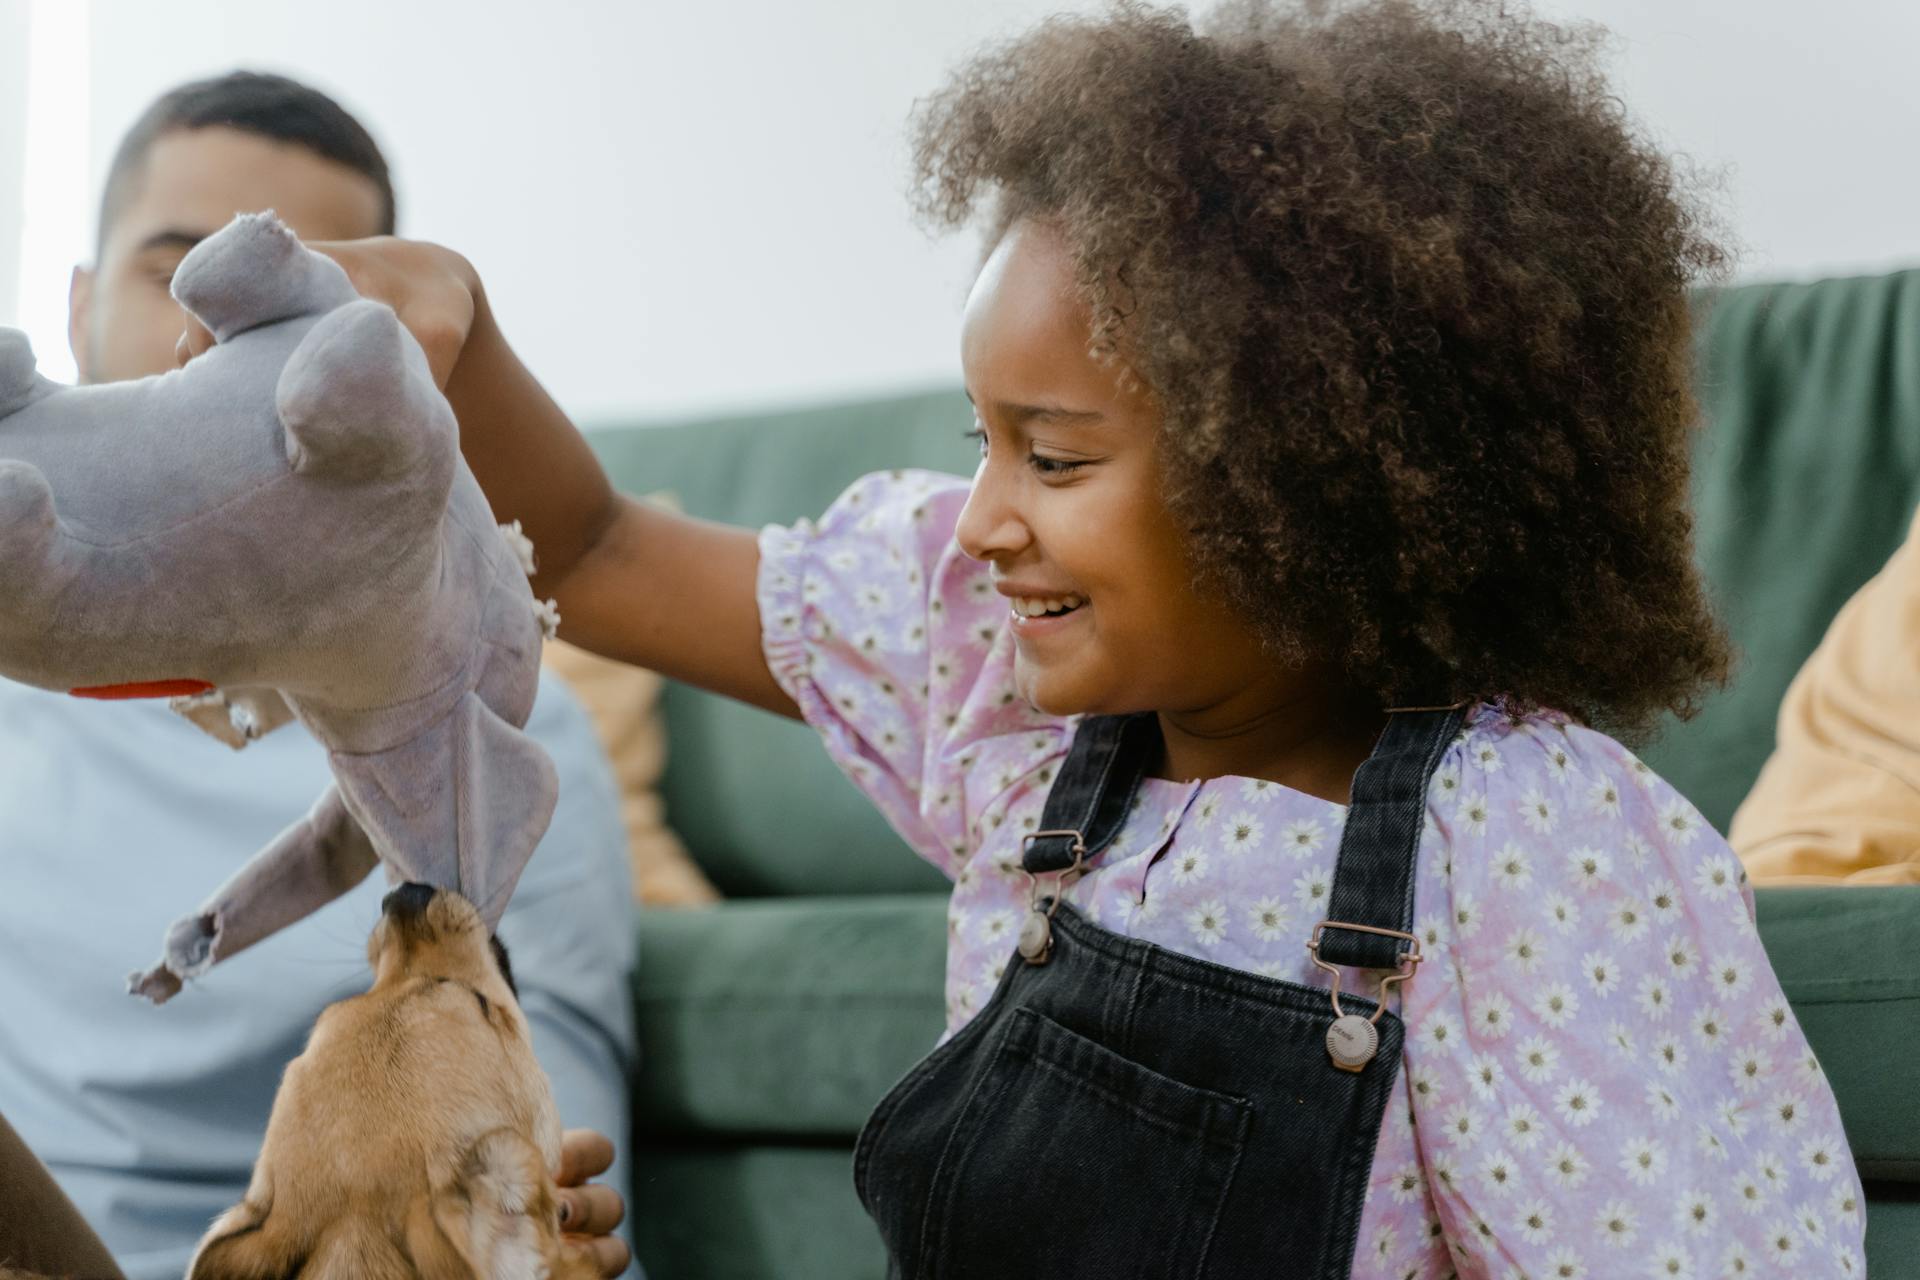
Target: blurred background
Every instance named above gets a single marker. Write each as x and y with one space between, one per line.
689 207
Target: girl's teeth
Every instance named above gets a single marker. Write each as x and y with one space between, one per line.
1034 608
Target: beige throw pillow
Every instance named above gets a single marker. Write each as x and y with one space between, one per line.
624 703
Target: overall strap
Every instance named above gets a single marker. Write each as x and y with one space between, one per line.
1373 880
1090 798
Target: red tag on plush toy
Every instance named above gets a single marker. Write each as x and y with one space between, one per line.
145 689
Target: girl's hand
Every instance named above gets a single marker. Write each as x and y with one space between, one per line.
589 1212
434 291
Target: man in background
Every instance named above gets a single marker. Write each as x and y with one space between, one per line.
115 817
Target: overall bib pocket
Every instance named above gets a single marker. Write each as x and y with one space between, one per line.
1132 1168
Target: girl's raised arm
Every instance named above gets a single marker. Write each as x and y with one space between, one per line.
633 582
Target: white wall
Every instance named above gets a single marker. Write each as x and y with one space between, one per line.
681 206
13 149
1810 108
674 205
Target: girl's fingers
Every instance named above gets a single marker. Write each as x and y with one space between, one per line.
193 341
430 288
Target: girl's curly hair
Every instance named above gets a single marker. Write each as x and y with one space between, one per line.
1410 293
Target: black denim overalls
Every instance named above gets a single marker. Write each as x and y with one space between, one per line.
1120 1110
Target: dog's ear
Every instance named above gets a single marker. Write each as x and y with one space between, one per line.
499 1212
246 1243
355 1249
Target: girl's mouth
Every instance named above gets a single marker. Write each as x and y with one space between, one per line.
1045 606
1034 615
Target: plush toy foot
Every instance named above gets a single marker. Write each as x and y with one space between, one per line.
307 866
188 954
234 716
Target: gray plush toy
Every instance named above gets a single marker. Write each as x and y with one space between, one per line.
285 528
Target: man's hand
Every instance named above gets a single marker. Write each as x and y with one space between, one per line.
589 1212
434 291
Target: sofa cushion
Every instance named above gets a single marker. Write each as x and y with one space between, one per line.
788 1018
1804 482
624 704
756 800
1845 959
748 1213
1893 1229
794 1018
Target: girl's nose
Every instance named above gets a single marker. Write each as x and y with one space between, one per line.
990 526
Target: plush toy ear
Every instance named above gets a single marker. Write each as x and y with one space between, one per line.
358 402
255 271
499 1213
19 374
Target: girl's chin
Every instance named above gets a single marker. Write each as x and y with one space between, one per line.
1049 691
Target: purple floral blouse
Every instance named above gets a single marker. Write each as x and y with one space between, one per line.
1601 1078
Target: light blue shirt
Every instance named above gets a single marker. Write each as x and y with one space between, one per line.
116 818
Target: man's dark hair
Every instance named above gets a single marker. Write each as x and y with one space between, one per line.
270 106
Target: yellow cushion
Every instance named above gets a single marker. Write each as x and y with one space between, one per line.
624 703
1839 800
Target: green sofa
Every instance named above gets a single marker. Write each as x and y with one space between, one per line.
769 1025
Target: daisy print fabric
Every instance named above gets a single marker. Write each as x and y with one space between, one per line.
1601 1077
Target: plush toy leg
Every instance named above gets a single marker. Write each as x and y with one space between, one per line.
234 716
309 865
358 402
254 271
472 777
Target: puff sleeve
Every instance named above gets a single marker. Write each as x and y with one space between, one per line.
1605 1075
895 646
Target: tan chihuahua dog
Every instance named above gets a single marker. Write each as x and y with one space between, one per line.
415 1135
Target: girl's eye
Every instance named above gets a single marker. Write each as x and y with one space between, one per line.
1042 465
1053 466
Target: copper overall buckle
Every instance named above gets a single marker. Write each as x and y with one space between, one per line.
1036 934
1353 1040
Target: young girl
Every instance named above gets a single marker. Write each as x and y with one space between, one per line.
1330 369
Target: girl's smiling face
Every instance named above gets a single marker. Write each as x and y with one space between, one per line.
1066 507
